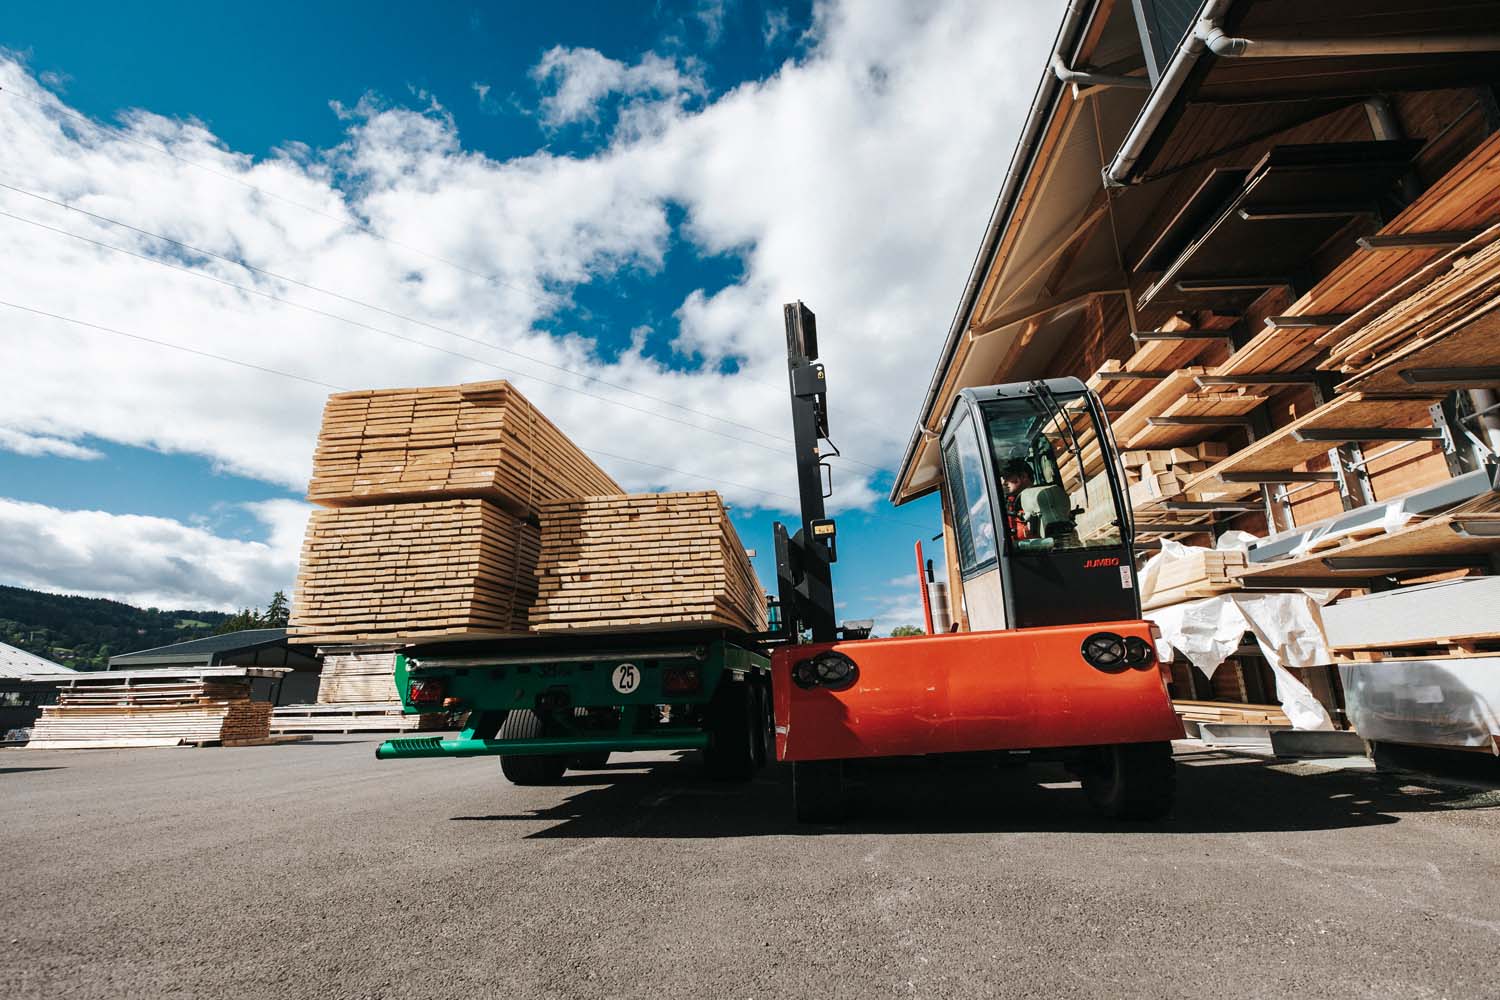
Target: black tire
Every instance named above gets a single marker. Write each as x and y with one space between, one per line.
595 761
733 732
529 769
765 744
1135 781
818 794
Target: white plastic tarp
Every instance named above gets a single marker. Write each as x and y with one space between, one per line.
1288 627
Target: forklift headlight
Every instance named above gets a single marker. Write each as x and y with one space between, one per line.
1137 651
828 669
1104 651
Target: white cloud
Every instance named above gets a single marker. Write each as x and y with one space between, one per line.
24 443
149 561
579 80
858 177
778 22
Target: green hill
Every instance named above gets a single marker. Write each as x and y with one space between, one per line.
84 632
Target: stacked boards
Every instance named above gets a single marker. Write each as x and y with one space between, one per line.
483 439
1201 573
644 562
357 677
412 570
155 708
429 494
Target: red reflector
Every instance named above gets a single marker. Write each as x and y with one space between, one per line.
425 692
680 680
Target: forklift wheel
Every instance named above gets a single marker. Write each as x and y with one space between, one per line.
765 744
734 724
1131 780
529 769
596 761
818 791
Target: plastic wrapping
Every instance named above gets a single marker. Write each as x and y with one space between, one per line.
1444 702
1287 627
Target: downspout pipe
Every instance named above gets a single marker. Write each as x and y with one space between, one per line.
1088 78
1221 44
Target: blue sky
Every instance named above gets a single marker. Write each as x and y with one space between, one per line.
554 194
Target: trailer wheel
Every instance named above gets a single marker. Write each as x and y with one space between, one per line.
765 743
734 723
818 791
1131 780
529 769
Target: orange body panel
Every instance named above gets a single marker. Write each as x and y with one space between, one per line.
967 691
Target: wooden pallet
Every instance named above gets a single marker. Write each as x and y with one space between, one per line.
1457 648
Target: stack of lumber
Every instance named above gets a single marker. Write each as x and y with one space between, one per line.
155 708
1467 197
414 570
358 678
1201 573
1226 713
377 717
483 439
1162 473
1455 296
647 561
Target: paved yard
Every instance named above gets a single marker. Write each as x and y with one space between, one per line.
314 871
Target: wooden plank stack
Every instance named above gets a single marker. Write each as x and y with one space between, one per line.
483 439
644 562
357 677
414 570
1162 473
154 708
373 717
1203 573
1226 713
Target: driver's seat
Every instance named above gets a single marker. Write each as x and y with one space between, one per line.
1047 511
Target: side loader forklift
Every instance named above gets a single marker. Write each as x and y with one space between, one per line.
1057 663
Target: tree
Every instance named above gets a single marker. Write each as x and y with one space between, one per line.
239 621
277 612
903 630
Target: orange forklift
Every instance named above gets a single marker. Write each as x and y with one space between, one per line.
1057 663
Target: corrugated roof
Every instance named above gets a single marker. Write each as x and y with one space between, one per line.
207 646
17 664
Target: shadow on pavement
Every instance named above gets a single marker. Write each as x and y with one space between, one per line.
1217 792
19 770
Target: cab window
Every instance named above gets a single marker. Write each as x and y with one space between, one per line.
973 523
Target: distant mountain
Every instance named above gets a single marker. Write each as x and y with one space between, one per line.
84 632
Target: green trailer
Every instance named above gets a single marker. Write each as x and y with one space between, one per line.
545 705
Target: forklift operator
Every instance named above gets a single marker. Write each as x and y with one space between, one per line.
1016 475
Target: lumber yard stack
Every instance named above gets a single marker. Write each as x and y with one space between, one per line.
156 708
483 439
428 495
644 562
356 694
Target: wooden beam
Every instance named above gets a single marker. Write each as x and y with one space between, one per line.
1438 239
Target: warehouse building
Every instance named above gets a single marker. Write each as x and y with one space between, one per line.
256 647
27 682
1267 233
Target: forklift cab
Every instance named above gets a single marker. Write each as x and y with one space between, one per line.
1033 488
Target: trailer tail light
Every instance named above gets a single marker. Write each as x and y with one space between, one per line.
426 692
681 680
828 669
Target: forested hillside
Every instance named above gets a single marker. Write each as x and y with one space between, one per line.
84 632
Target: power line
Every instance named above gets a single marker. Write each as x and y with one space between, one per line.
387 333
368 305
348 223
176 347
267 370
58 109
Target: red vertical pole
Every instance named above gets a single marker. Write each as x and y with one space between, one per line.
922 583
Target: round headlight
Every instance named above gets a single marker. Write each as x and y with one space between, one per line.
835 670
1104 650
1137 651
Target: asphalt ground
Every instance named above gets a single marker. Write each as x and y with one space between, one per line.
313 871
